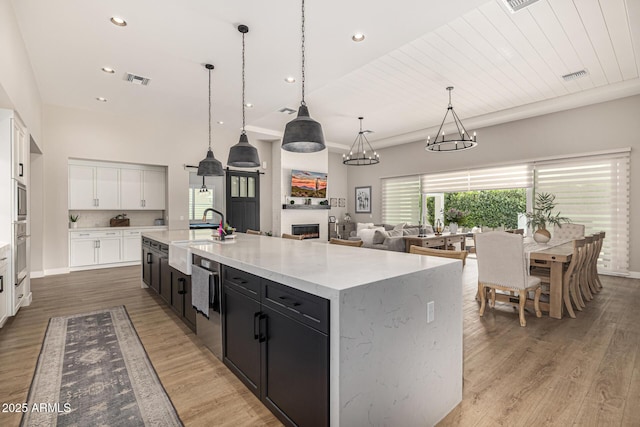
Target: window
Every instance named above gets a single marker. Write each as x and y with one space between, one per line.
594 191
401 200
200 200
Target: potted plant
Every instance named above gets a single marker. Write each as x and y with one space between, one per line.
454 216
541 216
73 221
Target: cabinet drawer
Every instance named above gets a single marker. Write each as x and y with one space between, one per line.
243 282
309 309
433 242
94 234
131 233
455 239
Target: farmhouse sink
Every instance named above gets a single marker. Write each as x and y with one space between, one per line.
180 254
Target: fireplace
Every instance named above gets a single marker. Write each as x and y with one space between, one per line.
307 231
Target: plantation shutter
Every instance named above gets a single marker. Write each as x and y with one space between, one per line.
593 191
400 200
199 201
495 178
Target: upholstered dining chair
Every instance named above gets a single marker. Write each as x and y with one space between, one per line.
565 232
257 233
461 255
354 243
502 266
291 236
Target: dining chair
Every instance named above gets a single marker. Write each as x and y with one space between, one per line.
255 232
354 243
461 255
567 231
291 236
502 266
594 265
590 245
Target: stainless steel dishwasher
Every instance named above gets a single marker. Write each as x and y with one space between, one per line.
210 330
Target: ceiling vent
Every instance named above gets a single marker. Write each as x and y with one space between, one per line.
137 80
516 5
286 110
575 75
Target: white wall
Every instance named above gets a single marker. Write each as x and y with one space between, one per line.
608 125
97 136
338 184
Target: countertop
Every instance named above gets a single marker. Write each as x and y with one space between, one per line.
309 265
136 227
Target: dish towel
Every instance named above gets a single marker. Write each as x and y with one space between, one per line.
200 290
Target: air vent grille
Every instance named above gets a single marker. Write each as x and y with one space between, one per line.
138 80
286 110
575 75
516 5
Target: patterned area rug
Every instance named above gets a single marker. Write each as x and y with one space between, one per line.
93 371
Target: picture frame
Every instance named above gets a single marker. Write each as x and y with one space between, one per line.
363 199
342 202
333 202
332 219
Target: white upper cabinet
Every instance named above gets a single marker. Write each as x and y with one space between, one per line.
19 150
93 187
115 186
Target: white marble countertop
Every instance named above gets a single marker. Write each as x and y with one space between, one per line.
132 227
309 265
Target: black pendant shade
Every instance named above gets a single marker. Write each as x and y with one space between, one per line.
303 134
243 154
210 166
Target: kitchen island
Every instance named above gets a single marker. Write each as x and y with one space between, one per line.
388 363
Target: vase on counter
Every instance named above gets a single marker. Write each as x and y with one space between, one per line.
73 224
453 227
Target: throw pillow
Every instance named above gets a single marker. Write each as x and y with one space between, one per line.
399 226
366 234
413 231
395 233
379 236
363 225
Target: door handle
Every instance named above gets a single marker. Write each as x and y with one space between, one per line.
182 281
256 319
263 336
1 284
21 173
149 258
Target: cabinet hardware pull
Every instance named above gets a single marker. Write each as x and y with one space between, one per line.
256 316
263 336
182 281
21 169
148 257
1 284
294 303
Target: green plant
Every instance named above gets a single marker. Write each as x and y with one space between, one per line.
541 215
74 218
454 215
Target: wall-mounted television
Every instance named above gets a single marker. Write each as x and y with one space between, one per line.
308 184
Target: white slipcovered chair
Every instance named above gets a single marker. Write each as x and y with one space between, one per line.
502 266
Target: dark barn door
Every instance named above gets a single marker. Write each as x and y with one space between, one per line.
243 200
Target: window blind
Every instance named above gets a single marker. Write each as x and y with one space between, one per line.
199 201
495 178
593 191
400 200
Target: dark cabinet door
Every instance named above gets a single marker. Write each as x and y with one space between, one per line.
165 280
241 341
295 370
155 271
146 265
177 291
189 312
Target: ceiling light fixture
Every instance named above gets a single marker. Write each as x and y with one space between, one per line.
101 99
116 20
108 70
357 37
243 154
210 166
358 153
303 134
461 141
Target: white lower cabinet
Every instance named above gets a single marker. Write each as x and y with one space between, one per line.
104 248
5 283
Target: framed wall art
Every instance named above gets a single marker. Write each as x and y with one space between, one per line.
363 199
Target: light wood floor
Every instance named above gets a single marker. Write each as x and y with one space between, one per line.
583 371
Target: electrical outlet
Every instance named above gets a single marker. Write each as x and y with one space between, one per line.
430 311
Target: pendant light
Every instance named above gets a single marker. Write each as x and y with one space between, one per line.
459 142
358 153
243 154
303 134
210 166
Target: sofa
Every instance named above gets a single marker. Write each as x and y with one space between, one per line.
385 236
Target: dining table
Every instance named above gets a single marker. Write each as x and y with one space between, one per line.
442 241
554 256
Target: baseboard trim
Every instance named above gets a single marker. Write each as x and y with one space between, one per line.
97 267
634 274
55 271
37 274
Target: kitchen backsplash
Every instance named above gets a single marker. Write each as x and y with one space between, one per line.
101 218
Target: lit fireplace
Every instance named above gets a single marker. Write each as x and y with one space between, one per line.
307 231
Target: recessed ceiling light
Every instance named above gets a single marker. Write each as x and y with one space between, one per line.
116 20
248 105
220 122
290 79
101 99
108 70
357 37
